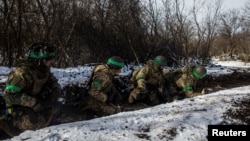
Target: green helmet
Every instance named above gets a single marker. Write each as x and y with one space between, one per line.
42 50
199 72
160 60
115 62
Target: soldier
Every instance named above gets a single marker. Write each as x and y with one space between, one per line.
32 92
148 83
103 96
183 80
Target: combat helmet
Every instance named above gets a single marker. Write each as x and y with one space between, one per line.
115 62
41 51
160 60
199 72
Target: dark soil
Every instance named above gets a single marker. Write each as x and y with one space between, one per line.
73 109
240 110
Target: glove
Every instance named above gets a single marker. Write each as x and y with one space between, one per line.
29 101
111 109
203 91
46 92
137 94
102 97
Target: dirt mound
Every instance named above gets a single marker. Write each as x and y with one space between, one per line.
240 111
211 83
236 79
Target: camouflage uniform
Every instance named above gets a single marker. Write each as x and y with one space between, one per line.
30 89
102 94
182 80
148 85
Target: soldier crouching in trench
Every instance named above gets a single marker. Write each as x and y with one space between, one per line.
148 83
32 91
102 95
182 82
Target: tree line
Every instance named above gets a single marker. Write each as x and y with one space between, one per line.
90 31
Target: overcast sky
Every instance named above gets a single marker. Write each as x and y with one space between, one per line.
234 3
227 4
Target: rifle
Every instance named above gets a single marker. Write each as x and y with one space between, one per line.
115 96
4 126
122 86
7 127
54 112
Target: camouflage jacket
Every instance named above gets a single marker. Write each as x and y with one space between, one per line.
149 75
102 84
26 83
183 79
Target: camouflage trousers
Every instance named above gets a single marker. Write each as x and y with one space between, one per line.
24 118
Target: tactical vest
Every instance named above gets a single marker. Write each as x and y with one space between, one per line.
32 83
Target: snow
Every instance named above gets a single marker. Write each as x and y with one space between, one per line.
182 120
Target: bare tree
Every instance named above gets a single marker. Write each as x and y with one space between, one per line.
206 28
230 28
179 30
93 30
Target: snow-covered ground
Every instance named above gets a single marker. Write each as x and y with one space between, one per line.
183 120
